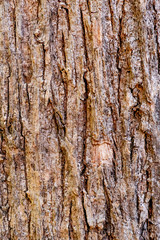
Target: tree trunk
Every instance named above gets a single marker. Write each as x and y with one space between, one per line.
79 119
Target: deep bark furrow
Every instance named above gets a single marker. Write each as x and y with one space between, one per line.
111 13
28 98
44 63
84 36
85 218
118 54
8 96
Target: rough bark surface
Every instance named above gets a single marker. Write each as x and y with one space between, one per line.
79 119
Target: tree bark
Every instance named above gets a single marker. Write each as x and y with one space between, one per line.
79 119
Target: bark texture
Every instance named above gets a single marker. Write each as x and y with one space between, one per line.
79 119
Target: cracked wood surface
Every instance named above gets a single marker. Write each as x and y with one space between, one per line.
79 119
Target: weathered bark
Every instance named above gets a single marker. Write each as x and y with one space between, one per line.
79 119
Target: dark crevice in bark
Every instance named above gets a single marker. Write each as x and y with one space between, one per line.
88 5
114 172
61 132
122 165
86 91
114 122
137 106
38 6
23 137
2 152
114 155
86 221
83 172
84 167
28 197
85 115
118 55
9 126
65 84
131 148
15 164
28 98
149 149
147 180
86 180
61 129
121 209
119 69
63 49
57 116
115 147
150 208
65 101
20 115
8 94
70 227
143 231
84 37
63 163
25 164
137 206
150 214
68 19
23 142
15 27
112 15
146 145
